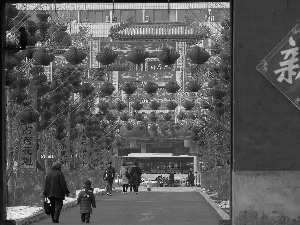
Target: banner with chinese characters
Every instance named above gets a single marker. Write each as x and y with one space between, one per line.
28 150
281 66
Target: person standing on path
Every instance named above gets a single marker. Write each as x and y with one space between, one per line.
56 189
171 179
136 174
86 199
109 176
125 177
191 178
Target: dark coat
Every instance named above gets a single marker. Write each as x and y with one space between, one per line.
136 180
86 198
55 184
191 176
112 170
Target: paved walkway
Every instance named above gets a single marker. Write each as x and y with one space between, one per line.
182 206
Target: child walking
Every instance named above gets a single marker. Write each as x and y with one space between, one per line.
86 198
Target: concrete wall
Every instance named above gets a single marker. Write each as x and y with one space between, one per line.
266 125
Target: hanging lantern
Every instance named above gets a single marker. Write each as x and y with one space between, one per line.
11 62
191 116
29 116
181 116
10 78
111 117
42 89
212 83
57 108
107 88
86 89
167 116
47 115
139 117
153 127
43 16
75 56
193 86
22 81
124 117
42 57
46 103
195 129
59 135
151 87
188 105
39 78
137 55
32 27
194 137
106 56
103 106
198 55
171 105
129 88
120 106
20 56
153 117
29 52
36 70
154 105
128 126
168 56
217 93
137 105
62 38
172 87
177 126
18 95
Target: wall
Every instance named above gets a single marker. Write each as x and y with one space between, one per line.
266 177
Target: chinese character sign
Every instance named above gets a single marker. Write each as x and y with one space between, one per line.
28 152
281 66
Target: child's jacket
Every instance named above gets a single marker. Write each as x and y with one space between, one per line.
86 198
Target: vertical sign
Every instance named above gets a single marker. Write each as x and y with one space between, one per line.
180 64
28 154
115 82
93 53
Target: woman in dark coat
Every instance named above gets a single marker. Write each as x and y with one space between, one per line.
136 174
56 189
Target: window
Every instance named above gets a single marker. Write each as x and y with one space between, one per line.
139 16
98 16
181 15
82 16
126 14
91 17
149 13
172 15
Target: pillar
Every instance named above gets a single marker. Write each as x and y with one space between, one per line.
3 188
266 156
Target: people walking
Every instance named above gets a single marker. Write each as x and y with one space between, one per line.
55 190
191 178
109 176
136 174
86 199
125 177
171 179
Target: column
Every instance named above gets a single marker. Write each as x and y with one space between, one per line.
266 169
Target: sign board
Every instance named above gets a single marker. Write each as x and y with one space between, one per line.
281 66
